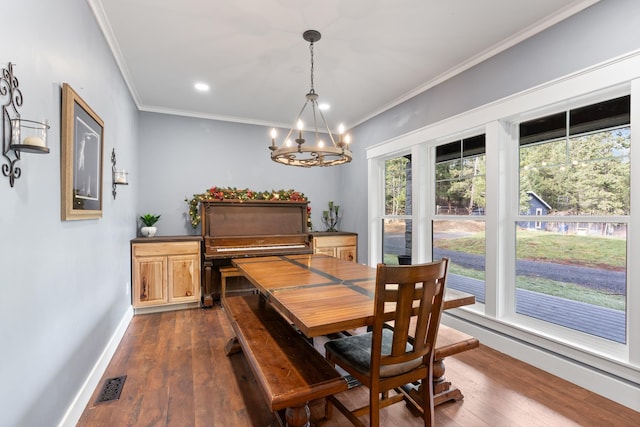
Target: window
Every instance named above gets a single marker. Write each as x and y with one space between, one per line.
459 227
396 221
551 184
460 177
574 165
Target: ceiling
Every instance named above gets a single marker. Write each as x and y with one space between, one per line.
373 54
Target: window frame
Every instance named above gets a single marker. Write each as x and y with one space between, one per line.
499 121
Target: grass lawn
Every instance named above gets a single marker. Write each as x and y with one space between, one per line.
587 251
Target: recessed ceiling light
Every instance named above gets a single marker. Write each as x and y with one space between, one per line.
202 87
324 107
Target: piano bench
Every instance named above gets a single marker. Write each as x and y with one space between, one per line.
227 271
289 371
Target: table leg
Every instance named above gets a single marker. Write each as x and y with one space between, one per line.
443 390
298 416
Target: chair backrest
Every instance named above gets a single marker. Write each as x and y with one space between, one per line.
408 296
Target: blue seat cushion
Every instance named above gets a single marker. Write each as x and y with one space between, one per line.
355 351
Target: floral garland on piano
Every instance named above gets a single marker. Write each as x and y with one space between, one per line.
232 193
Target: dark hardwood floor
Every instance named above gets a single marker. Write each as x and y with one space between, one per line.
178 375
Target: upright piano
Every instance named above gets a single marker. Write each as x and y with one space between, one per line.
233 228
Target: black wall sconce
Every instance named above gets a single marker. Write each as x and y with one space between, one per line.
18 135
117 177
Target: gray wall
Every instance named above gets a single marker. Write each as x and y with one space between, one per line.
63 285
182 156
603 31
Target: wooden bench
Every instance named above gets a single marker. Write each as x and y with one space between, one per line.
288 369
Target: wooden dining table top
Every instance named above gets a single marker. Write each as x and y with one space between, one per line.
321 294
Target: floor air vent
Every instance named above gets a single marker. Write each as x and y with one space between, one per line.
112 389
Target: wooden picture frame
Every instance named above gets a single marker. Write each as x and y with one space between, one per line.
81 158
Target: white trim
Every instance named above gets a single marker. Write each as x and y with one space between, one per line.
107 31
633 234
592 379
537 27
616 72
375 182
77 407
566 353
166 307
519 37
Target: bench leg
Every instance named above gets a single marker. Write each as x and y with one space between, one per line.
298 416
232 347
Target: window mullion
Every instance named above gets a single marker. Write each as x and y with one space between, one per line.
633 236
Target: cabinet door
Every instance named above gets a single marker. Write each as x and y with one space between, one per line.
149 281
347 253
184 278
343 246
325 251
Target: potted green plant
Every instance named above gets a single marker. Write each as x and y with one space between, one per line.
149 230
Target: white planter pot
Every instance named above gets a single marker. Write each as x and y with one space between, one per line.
148 231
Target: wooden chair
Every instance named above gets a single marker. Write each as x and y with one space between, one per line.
387 358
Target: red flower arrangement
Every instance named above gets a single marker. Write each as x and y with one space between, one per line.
232 193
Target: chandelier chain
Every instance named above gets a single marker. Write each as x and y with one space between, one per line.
311 50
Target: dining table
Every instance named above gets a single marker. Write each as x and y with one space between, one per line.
321 295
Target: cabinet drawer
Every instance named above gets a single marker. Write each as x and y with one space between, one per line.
165 248
334 241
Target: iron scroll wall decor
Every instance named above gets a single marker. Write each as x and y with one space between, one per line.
18 135
118 177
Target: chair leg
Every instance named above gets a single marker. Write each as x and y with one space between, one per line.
428 402
374 407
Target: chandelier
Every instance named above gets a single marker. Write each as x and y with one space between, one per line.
295 153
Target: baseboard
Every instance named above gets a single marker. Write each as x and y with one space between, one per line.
75 410
166 307
597 381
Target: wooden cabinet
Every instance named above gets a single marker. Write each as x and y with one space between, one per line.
338 244
165 272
